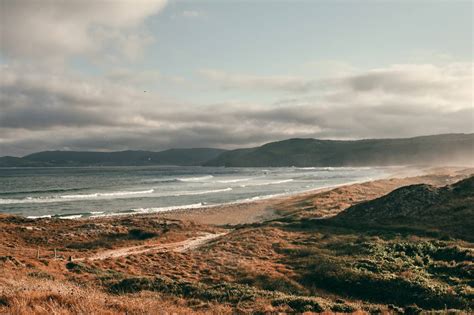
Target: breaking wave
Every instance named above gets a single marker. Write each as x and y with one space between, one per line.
111 194
228 181
269 183
202 192
194 179
62 198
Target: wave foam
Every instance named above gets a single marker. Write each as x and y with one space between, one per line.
52 190
262 197
170 208
149 210
71 217
194 179
47 216
202 192
112 194
269 183
227 181
63 198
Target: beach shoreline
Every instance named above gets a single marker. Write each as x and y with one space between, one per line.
84 193
228 245
270 207
255 211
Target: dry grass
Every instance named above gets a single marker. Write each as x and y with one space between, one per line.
27 296
331 202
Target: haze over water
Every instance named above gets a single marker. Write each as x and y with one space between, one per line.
100 191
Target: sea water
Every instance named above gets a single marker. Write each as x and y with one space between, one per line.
76 192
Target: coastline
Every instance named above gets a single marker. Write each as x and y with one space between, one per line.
270 207
158 190
340 196
227 246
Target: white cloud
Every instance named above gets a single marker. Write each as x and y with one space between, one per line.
55 30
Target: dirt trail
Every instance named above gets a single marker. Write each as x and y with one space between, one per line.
183 246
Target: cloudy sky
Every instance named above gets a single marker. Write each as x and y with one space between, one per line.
155 74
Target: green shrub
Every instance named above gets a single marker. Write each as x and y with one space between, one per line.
299 304
138 234
342 308
223 292
432 274
412 310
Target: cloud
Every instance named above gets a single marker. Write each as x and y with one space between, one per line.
191 14
255 82
134 77
55 30
450 85
140 78
40 111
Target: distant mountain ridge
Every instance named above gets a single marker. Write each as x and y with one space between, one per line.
181 157
437 149
446 148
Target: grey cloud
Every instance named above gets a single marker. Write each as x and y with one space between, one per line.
38 118
38 112
255 82
449 83
134 77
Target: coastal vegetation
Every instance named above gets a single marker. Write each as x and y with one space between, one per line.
300 261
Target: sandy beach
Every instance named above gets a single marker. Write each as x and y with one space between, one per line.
319 202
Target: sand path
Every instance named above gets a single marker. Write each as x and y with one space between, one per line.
183 246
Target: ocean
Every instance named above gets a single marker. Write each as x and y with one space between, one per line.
78 192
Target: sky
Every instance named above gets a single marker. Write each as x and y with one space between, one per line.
154 74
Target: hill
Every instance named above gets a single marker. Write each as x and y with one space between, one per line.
449 209
447 148
182 157
12 161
